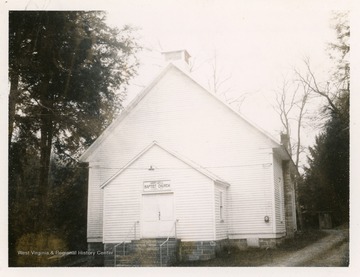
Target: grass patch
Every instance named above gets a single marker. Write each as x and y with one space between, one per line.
257 257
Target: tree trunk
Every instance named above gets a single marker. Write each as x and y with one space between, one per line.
45 153
13 98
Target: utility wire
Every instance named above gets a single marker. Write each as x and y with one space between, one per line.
155 168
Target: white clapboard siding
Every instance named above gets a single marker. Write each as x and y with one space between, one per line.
98 172
183 116
95 207
279 195
250 200
193 202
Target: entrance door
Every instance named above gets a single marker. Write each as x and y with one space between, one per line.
157 215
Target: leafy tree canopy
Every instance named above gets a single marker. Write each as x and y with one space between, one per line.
71 71
68 73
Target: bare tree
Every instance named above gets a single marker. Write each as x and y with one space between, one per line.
217 80
328 90
218 84
291 100
336 89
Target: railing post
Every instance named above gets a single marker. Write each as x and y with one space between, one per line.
167 242
124 242
176 228
160 256
115 255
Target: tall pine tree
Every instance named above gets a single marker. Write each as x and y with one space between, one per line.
326 185
68 73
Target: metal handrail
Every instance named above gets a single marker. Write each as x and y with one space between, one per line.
167 240
124 241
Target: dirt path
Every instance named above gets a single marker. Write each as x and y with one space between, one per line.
333 250
337 256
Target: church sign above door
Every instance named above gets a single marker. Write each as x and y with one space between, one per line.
156 186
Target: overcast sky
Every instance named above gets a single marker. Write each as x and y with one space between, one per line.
256 42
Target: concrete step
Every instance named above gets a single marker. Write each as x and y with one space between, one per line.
146 252
125 260
136 260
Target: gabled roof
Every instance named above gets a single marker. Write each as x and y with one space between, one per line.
123 114
144 92
190 163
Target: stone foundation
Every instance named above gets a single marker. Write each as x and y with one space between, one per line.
206 250
145 252
263 243
271 243
240 244
96 260
197 250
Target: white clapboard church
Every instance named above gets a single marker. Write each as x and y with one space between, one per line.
180 175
